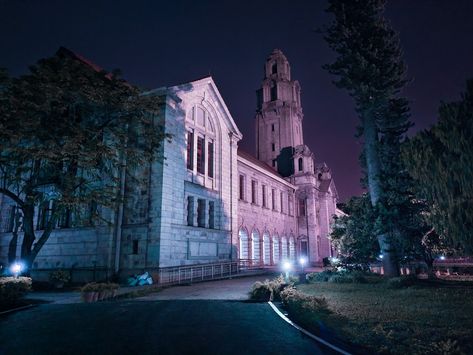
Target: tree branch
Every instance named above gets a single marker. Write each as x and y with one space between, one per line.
13 196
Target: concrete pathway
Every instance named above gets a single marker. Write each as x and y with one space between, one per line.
230 289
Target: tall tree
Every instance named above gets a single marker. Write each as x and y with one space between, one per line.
369 66
441 162
66 130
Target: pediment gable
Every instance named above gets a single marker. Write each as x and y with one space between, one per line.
204 92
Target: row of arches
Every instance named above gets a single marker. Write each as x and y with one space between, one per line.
265 249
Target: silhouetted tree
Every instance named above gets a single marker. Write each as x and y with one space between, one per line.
369 66
66 130
441 162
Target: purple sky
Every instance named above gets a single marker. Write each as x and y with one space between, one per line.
159 44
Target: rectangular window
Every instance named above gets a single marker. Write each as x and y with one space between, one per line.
273 147
210 159
281 198
290 203
190 210
65 219
211 214
242 187
273 199
135 247
274 92
11 222
201 212
200 155
263 190
253 192
43 215
274 163
272 127
302 210
190 150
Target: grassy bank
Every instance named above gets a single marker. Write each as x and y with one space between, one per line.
427 318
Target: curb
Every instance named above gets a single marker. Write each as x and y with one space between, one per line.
309 334
17 309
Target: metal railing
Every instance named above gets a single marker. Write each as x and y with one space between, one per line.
203 272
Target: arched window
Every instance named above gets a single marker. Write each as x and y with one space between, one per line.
201 142
243 247
274 91
266 249
292 248
255 247
276 247
274 68
300 164
284 247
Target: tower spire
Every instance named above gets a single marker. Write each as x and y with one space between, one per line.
278 110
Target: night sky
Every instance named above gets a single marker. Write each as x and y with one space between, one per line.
157 43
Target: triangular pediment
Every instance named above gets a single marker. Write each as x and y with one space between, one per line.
205 92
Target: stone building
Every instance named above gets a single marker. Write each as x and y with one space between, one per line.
207 201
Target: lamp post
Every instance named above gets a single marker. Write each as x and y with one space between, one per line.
302 262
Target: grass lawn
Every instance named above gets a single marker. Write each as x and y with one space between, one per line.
427 318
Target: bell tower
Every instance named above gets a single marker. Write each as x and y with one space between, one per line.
278 110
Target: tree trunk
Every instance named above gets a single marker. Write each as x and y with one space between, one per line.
370 134
29 235
13 245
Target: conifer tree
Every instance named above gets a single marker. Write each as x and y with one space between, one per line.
369 66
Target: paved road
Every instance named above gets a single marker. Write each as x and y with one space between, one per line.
233 289
151 327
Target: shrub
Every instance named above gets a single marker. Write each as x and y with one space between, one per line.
98 287
323 276
341 278
268 290
260 291
401 282
338 276
12 289
298 301
60 276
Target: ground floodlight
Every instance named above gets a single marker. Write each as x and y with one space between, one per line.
287 266
302 261
442 257
16 269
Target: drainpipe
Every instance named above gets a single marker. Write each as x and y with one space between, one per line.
230 135
118 230
328 227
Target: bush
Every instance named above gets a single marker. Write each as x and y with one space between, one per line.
341 279
338 276
401 282
12 289
59 276
323 276
268 290
98 287
298 301
260 291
